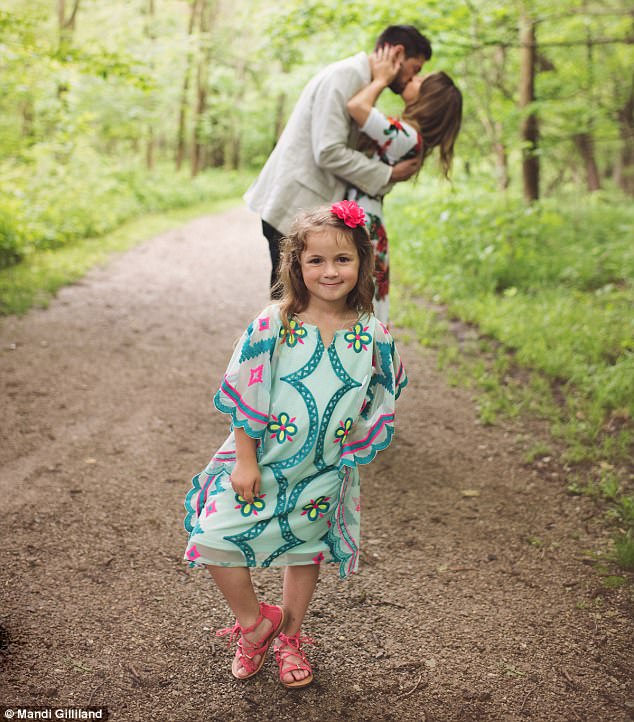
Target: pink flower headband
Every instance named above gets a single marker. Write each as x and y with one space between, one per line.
349 212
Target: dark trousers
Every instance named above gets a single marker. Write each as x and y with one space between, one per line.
273 236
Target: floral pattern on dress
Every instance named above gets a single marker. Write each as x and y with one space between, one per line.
381 265
250 507
342 432
294 334
316 508
282 427
358 338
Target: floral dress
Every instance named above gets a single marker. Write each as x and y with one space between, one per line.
316 413
394 141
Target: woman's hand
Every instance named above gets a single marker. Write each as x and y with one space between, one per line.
245 479
384 64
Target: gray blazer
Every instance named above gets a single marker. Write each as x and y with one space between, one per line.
314 161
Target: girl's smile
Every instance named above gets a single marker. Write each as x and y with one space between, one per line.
330 266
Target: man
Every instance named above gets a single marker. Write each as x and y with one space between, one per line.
315 158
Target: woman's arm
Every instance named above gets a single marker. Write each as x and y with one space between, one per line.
385 65
245 478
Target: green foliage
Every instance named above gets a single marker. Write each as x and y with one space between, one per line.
552 281
55 204
550 290
123 76
624 551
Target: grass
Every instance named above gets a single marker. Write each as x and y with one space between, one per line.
35 281
531 308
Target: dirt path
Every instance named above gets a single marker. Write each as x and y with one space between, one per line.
466 607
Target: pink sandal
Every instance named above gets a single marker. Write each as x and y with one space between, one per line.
282 655
248 650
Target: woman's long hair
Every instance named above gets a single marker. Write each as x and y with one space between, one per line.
437 114
294 295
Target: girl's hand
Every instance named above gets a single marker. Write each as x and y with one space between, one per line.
385 63
245 479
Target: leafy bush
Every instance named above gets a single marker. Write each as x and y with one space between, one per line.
554 280
14 239
61 197
477 242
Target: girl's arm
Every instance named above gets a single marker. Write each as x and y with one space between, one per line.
245 478
384 64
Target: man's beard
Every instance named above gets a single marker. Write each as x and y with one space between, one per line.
397 86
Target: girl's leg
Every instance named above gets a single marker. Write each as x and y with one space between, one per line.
236 587
299 587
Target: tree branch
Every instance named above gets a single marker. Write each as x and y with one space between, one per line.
71 20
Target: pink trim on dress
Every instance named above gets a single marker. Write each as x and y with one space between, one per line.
372 434
243 404
341 519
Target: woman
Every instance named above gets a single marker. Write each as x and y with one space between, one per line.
431 118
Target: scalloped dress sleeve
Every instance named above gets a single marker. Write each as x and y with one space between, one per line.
244 392
244 395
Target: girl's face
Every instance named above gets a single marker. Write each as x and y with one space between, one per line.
412 89
330 266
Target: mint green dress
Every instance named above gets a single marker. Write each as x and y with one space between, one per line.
317 413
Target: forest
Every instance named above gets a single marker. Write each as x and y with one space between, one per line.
110 111
107 106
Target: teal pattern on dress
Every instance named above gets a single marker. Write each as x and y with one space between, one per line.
316 414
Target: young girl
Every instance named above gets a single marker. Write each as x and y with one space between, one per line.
310 390
432 117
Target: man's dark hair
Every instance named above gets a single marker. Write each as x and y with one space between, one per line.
408 36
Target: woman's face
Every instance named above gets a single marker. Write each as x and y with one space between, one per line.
412 89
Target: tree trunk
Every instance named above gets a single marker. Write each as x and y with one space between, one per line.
201 104
28 117
501 166
235 137
197 159
530 126
149 149
151 141
182 113
624 172
585 146
66 25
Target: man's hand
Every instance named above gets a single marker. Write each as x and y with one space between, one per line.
405 169
245 480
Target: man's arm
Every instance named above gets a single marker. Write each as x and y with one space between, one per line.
330 131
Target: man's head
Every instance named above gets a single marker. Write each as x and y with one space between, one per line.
412 48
